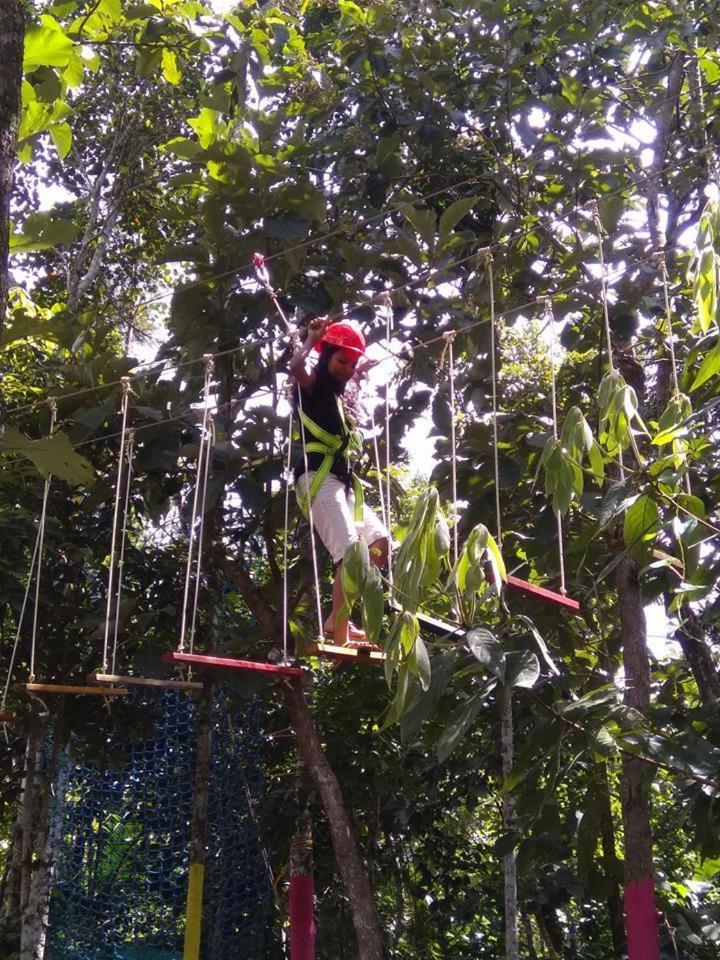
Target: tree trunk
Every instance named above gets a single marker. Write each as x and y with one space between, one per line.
38 861
302 892
12 32
640 910
699 659
352 870
611 864
198 825
512 942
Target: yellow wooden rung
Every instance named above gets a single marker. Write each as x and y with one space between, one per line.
74 689
352 654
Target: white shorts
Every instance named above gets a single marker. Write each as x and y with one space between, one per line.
333 510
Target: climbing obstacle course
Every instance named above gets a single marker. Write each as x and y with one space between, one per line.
121 834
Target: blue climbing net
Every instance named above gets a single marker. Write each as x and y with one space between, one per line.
120 840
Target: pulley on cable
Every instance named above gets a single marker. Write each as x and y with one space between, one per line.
33 685
185 653
109 674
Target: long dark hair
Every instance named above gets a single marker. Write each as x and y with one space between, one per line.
322 372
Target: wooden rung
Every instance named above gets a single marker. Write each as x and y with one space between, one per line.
231 663
352 654
535 592
75 689
7 718
438 628
114 678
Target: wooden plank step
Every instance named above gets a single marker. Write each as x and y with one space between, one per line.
439 628
535 592
75 689
212 662
114 678
345 654
7 718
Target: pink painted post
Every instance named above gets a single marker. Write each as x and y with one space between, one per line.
302 917
641 919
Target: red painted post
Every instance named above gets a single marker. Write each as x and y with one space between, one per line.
302 917
302 893
641 920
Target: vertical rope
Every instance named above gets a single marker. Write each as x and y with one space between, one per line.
288 471
662 267
604 295
313 549
129 454
488 257
550 317
386 300
209 444
52 403
124 404
209 367
264 280
449 341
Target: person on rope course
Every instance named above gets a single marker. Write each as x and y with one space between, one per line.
332 443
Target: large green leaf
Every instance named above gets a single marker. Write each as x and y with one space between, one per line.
488 650
40 231
51 455
641 526
460 721
45 47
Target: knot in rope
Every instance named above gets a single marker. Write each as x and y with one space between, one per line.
595 213
659 258
209 362
385 300
484 256
52 404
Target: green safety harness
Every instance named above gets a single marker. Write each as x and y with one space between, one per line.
348 444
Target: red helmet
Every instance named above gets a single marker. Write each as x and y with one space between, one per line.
344 335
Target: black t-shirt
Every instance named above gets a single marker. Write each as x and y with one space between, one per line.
322 406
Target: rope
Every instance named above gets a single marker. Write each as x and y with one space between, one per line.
449 339
209 367
369 301
130 452
604 296
52 403
124 404
286 607
209 444
264 279
550 319
662 267
488 258
21 618
386 300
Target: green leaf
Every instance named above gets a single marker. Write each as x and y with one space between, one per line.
356 568
45 47
373 605
40 231
169 65
708 368
423 222
454 214
51 455
641 526
522 669
426 703
486 648
460 721
61 136
421 663
442 536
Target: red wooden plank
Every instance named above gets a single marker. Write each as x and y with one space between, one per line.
7 718
540 593
230 663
